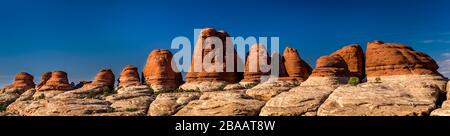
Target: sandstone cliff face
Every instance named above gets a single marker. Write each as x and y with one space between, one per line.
207 78
158 72
129 77
385 59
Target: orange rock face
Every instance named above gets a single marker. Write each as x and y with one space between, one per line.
211 75
104 78
158 70
23 81
353 56
330 66
296 68
57 81
254 59
44 78
385 59
129 77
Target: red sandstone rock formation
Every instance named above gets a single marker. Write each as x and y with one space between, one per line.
57 81
158 71
296 68
22 81
333 66
129 77
254 59
200 53
385 59
104 78
354 58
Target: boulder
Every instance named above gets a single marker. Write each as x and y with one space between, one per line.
167 104
199 75
158 72
299 101
255 59
225 103
23 81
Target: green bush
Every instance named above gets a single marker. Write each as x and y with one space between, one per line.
91 94
3 107
353 81
131 109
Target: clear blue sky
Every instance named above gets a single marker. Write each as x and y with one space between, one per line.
83 36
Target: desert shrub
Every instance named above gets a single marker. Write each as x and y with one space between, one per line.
378 80
131 109
3 107
91 94
353 81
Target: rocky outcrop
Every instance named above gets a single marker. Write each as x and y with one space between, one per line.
158 72
353 56
105 78
292 71
386 59
256 58
227 103
444 110
167 104
134 99
401 82
299 101
22 83
129 77
295 67
206 77
57 81
382 99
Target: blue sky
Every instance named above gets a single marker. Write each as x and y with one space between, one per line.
83 36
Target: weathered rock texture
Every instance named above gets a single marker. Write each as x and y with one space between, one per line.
129 77
222 104
23 81
158 72
167 104
385 59
299 101
57 81
444 110
401 82
200 75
